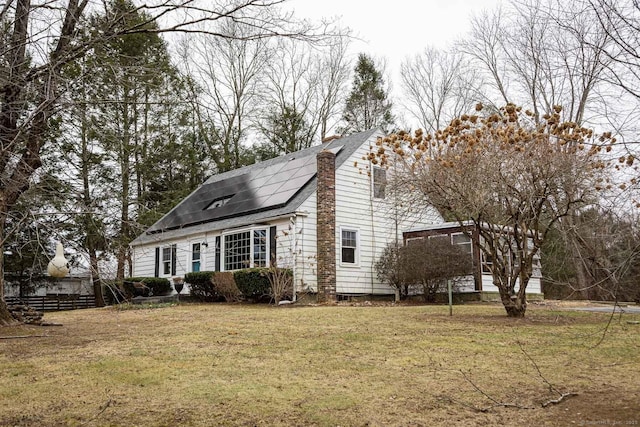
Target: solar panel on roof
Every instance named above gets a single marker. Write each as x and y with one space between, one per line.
261 188
280 198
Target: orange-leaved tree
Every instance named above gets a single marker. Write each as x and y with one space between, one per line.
512 176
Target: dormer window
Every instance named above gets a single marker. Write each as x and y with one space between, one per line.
217 203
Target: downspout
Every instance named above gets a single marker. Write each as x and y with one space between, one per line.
302 231
297 246
373 230
294 249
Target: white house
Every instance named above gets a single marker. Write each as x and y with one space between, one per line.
323 211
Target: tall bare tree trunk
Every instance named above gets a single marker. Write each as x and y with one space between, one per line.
5 316
97 283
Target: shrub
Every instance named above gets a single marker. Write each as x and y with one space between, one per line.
281 283
114 293
390 270
154 286
225 285
430 263
253 283
423 266
202 286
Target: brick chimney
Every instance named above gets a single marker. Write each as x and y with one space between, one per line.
326 225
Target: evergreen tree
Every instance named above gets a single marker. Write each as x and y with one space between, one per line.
368 105
286 131
128 140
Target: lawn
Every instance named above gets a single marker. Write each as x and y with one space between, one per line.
347 365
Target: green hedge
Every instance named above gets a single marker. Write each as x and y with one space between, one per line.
253 283
201 286
155 286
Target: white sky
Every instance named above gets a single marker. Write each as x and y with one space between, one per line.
393 30
400 27
397 28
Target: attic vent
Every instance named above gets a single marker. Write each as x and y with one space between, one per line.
219 202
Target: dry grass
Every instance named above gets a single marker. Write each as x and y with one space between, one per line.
203 365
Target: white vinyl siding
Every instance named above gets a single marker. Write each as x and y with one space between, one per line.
145 257
306 256
377 220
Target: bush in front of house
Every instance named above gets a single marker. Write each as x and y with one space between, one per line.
225 284
281 283
202 287
153 286
253 283
423 266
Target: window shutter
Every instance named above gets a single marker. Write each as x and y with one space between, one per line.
272 244
218 250
157 264
173 259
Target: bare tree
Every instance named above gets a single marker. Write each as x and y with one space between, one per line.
512 177
334 72
41 37
438 86
229 74
484 45
620 20
542 54
306 85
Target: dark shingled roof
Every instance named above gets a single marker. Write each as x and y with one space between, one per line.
252 193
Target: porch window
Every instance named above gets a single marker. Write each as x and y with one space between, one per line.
463 241
349 247
487 263
414 240
195 257
245 249
442 237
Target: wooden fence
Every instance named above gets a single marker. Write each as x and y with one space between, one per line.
55 302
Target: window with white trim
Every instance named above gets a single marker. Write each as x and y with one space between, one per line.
195 257
245 249
379 182
443 237
487 263
168 261
463 241
414 240
259 248
349 246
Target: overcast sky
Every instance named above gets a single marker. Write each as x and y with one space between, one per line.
396 29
